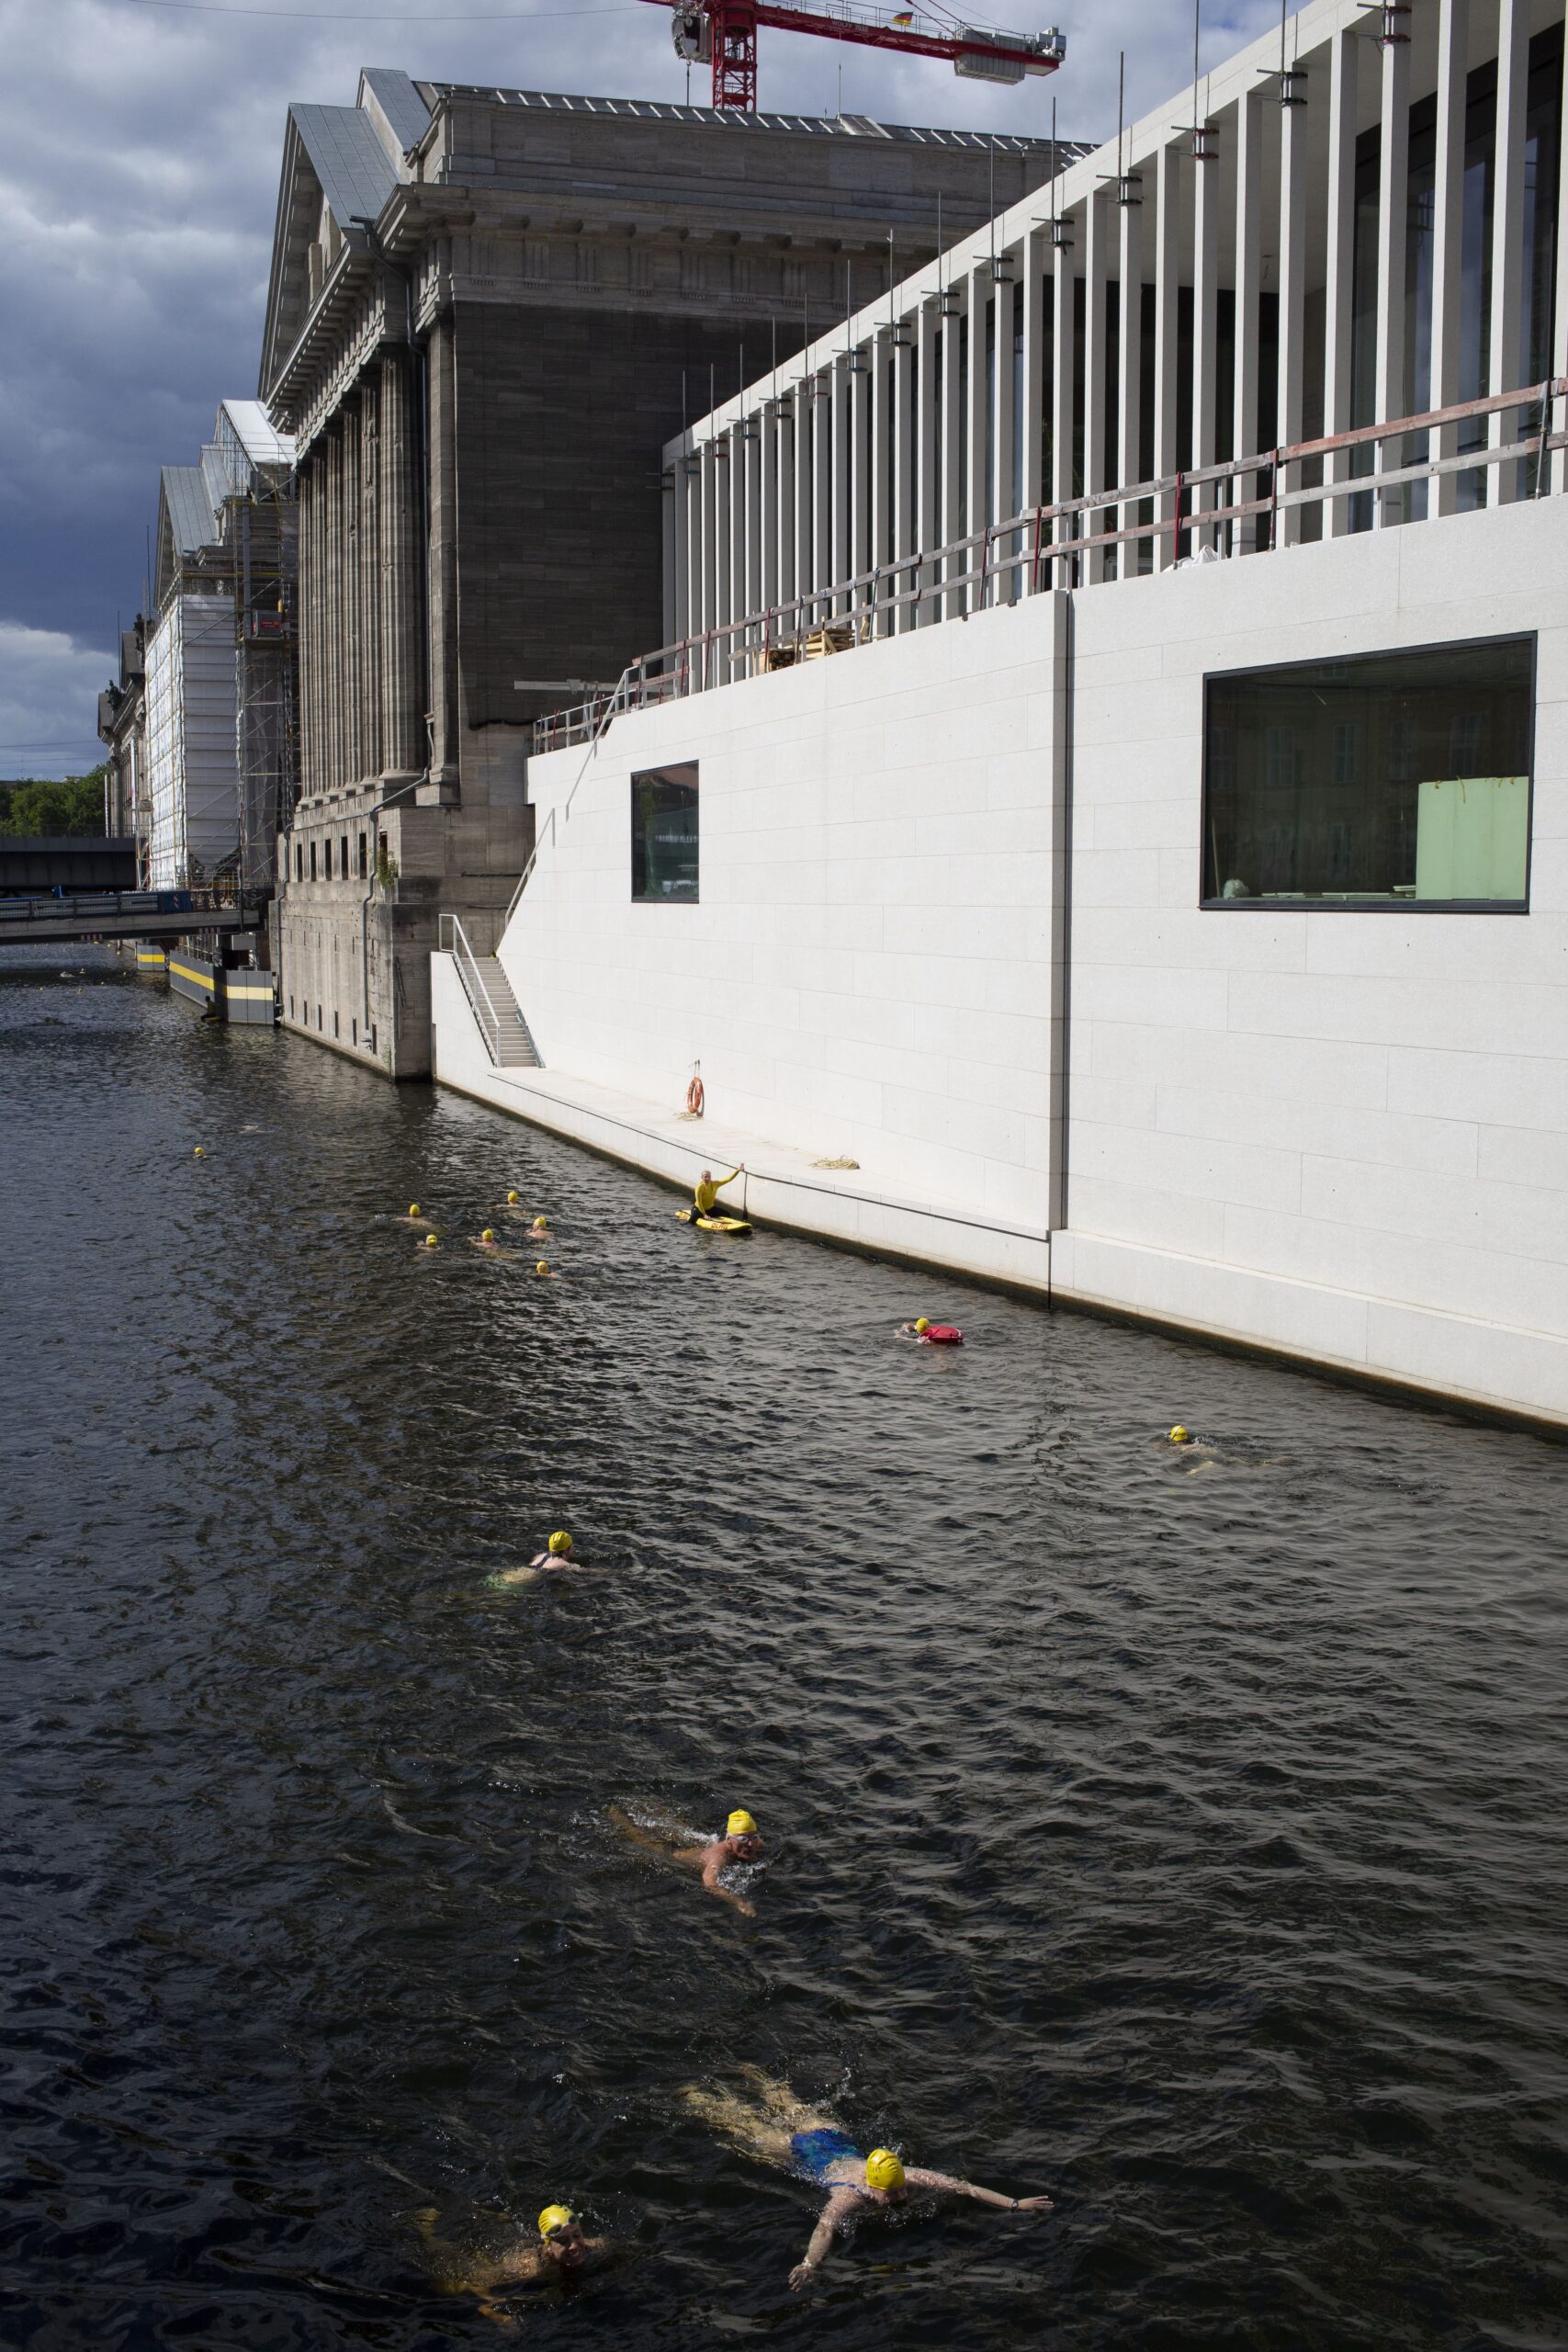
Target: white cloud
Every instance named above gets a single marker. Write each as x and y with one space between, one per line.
49 706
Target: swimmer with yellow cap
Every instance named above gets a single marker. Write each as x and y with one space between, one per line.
739 1843
559 2256
766 2119
485 1240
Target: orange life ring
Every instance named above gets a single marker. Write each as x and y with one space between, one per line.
695 1097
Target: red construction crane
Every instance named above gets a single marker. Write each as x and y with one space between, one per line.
725 33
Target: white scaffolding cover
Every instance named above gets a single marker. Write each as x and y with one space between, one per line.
192 767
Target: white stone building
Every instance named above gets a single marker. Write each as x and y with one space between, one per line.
1162 891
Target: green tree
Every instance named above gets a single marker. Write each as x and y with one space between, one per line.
75 805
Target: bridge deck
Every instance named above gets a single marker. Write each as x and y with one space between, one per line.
121 914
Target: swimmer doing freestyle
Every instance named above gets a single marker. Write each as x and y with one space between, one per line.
775 2126
741 1842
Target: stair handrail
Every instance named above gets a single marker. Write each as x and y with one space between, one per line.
616 700
463 947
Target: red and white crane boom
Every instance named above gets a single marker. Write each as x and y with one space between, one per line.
725 33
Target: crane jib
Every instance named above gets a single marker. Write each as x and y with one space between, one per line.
723 33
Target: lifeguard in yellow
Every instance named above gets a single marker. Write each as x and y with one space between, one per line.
707 1190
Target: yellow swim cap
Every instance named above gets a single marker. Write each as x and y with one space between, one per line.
560 1542
430 1241
554 2217
511 1199
883 2169
541 1225
200 1151
739 1825
413 1208
487 1235
1179 1436
923 1324
542 1267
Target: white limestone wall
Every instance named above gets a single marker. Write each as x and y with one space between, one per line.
1342 1133
868 971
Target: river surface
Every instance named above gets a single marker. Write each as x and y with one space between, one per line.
1187 1844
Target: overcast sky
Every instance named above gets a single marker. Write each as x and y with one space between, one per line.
139 172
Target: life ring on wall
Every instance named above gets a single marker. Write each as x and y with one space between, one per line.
695 1097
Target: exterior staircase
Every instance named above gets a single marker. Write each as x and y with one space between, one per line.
495 1008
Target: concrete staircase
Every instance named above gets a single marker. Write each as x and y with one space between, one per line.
498 1013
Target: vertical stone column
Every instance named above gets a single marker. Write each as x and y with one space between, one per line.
1005 500
1448 238
824 423
401 747
307 625
952 448
1064 379
1248 286
765 533
336 624
1340 266
928 464
1505 368
1129 369
1036 300
1167 275
841 558
441 604
1394 213
906 464
1097 236
879 385
977 456
1293 299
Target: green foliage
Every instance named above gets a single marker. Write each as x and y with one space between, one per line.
386 869
36 806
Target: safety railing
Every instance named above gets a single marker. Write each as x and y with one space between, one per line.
205 905
452 940
1059 546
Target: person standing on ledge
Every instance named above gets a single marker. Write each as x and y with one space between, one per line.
705 1192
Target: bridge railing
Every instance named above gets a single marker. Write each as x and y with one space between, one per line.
85 907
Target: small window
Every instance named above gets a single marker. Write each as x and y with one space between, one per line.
1386 780
327 858
336 1029
664 832
364 857
354 1025
298 861
312 861
291 1008
342 858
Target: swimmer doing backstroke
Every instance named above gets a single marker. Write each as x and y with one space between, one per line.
780 2129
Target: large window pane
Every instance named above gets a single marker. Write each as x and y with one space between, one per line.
664 831
1395 779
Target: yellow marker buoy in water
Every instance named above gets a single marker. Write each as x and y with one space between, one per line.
430 1241
1179 1436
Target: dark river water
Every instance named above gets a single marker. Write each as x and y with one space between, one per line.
1187 1844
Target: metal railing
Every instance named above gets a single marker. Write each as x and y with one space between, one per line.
1054 545
450 928
38 906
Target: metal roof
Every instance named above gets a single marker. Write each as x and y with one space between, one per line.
815 126
354 168
399 100
191 519
256 433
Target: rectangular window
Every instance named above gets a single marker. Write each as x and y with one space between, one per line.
327 858
1385 780
364 857
664 831
312 861
298 861
342 858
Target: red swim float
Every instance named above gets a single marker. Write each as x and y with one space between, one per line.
943 1335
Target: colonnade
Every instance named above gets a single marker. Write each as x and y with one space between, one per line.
1016 373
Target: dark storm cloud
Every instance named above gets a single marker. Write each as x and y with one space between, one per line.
138 185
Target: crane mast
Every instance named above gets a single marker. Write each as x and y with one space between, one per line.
723 33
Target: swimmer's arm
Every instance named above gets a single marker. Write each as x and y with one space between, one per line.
992 2197
821 2243
636 1832
711 1870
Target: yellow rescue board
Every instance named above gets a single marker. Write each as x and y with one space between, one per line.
713 1224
